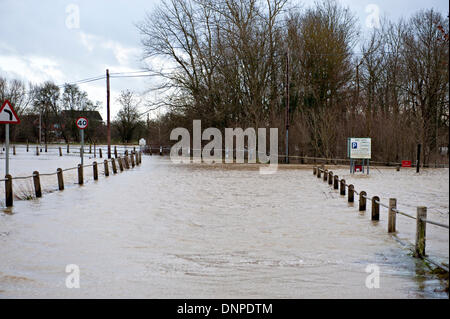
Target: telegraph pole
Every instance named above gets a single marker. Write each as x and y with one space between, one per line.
108 124
287 106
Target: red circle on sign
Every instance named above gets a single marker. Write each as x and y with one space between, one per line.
82 123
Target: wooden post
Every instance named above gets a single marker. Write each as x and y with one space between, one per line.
336 182
419 146
343 187
325 175
362 201
127 164
37 150
420 232
45 147
37 184
60 151
8 191
351 193
105 162
375 208
132 159
80 174
68 149
330 178
119 159
318 172
134 149
90 148
314 170
95 151
113 163
398 168
392 215
95 169
115 151
14 150
59 174
100 152
27 146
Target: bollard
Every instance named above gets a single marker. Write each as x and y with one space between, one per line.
375 208
37 150
105 163
342 187
420 232
113 163
37 184
14 150
90 148
115 151
95 169
45 147
314 170
8 191
132 159
351 193
95 151
392 215
330 178
80 174
68 150
134 149
119 159
60 151
325 175
27 146
398 168
127 162
100 152
318 172
362 201
336 182
59 174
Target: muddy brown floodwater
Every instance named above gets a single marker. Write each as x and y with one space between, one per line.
163 230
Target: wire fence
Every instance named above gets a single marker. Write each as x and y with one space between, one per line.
421 215
33 185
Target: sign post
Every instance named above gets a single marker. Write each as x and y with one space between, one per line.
359 148
7 116
82 124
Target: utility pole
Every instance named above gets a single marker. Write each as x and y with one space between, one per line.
108 124
287 106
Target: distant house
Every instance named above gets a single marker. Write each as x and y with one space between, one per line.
92 116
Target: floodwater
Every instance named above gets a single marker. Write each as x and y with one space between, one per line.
164 230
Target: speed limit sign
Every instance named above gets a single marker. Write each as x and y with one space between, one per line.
82 123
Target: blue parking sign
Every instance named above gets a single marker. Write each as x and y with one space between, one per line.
354 145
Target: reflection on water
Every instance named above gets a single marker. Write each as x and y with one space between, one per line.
206 231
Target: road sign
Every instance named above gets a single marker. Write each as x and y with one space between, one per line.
82 123
8 115
359 148
406 163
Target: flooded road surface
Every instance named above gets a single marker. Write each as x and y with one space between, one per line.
163 230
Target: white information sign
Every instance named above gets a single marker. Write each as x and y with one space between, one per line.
360 148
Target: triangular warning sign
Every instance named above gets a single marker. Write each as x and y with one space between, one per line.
8 115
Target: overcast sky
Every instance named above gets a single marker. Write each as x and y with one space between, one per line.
40 40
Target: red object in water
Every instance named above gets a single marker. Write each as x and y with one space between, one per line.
358 168
406 163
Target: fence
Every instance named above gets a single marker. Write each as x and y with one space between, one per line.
421 214
129 160
69 149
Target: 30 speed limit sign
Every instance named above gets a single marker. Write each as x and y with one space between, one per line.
82 123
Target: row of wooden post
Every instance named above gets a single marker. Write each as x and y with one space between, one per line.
135 158
39 150
375 216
